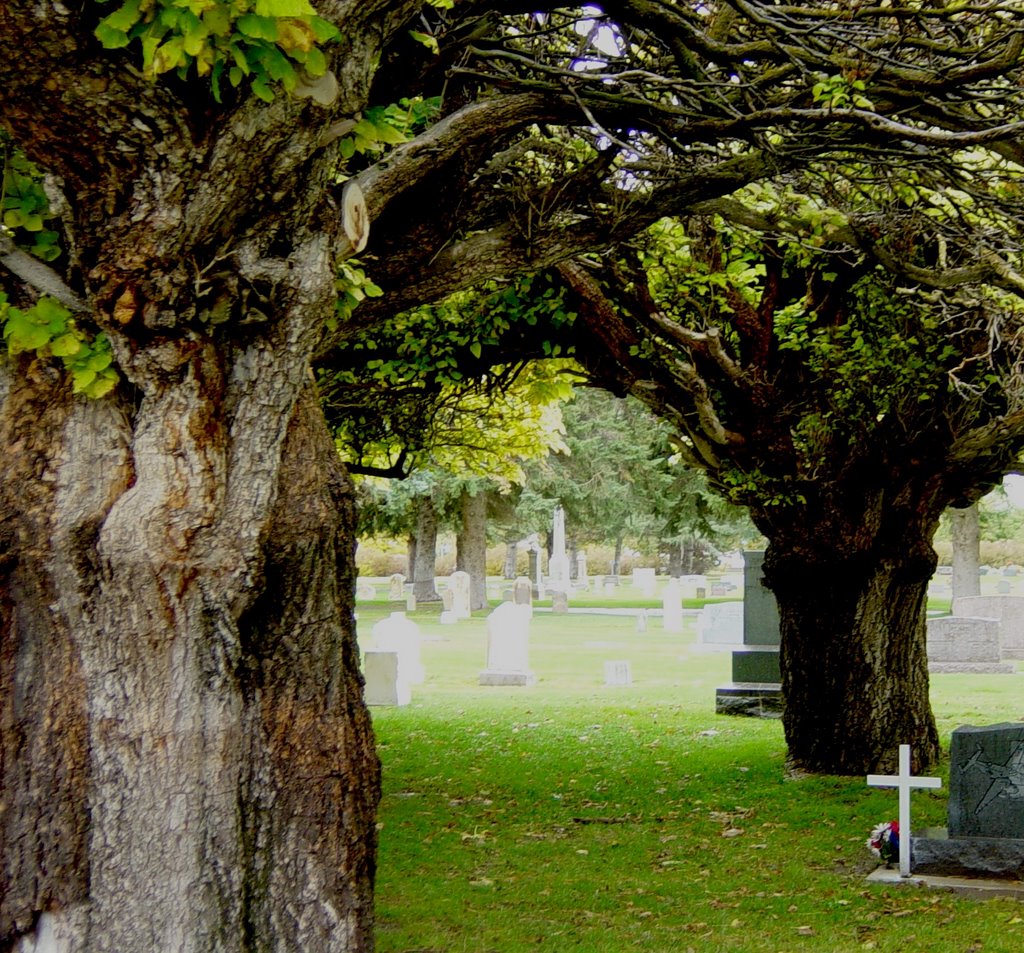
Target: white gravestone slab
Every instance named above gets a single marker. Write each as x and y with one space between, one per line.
459 584
508 646
399 634
558 564
720 624
618 673
582 578
645 580
904 782
384 683
672 607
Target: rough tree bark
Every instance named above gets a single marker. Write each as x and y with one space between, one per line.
424 570
472 547
187 764
853 658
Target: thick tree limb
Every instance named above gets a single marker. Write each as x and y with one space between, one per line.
38 275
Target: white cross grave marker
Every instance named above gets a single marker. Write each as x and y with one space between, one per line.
904 781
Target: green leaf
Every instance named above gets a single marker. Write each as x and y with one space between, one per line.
260 28
66 345
284 8
81 379
475 349
110 38
124 18
427 40
389 134
323 30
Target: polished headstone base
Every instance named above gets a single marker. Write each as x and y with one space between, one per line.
968 856
752 699
756 663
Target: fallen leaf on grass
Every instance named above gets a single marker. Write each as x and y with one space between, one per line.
482 882
805 931
732 832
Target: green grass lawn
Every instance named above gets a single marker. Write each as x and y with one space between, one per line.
572 816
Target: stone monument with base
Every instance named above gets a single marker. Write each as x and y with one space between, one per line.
985 816
756 687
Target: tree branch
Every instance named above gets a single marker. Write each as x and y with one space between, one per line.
38 275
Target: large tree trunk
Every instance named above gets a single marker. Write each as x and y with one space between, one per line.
187 761
675 557
965 527
853 654
472 547
424 570
187 764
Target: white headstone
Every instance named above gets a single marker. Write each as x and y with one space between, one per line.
399 634
672 607
582 579
384 682
396 587
904 782
459 584
365 590
618 673
508 646
721 624
645 580
558 564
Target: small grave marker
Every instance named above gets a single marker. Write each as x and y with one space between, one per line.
904 782
618 673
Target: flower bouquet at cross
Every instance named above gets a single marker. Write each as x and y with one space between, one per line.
884 842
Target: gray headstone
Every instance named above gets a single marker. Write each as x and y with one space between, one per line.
559 602
523 592
672 607
986 781
964 644
1009 610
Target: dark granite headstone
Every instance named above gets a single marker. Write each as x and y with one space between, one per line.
760 610
986 781
755 688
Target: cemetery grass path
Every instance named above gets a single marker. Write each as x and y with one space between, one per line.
573 817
